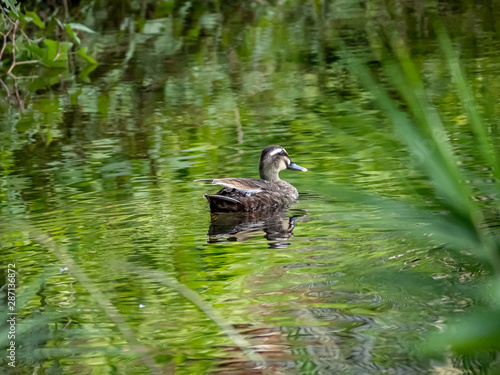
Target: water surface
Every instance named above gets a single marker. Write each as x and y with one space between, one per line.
98 174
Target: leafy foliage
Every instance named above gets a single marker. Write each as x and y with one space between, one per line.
24 44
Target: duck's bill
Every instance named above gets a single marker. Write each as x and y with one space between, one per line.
296 167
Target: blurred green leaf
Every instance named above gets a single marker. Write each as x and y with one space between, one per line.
33 17
56 54
86 70
11 4
83 53
479 331
35 50
13 13
79 26
71 33
485 144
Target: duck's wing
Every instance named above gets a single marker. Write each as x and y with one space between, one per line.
245 185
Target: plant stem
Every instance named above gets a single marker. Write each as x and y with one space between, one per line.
5 86
4 42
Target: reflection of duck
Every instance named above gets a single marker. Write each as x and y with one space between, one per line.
250 194
241 226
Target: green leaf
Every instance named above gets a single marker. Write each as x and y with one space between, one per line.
83 53
33 17
71 33
56 54
35 50
14 14
479 331
79 26
86 70
11 4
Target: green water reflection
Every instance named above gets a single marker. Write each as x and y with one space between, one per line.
104 167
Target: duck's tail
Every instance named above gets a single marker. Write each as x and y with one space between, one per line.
221 203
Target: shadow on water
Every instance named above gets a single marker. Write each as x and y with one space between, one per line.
241 226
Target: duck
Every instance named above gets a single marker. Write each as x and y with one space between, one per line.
251 194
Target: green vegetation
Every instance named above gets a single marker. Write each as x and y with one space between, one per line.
462 224
391 105
27 39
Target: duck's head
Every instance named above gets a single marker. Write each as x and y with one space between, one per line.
273 160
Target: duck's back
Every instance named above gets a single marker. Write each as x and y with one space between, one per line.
250 194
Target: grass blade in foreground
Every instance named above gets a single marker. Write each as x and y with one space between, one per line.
423 132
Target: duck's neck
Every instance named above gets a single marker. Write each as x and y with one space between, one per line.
271 175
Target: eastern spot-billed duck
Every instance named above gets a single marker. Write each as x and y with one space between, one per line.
249 194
